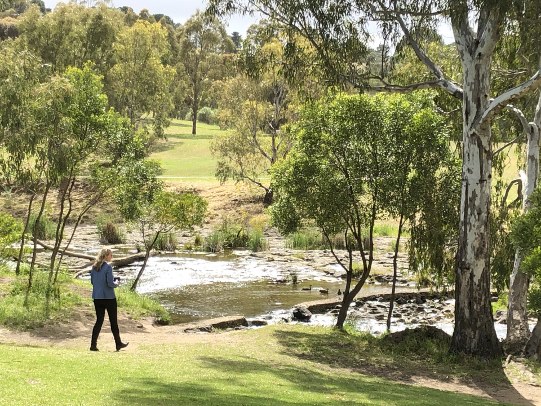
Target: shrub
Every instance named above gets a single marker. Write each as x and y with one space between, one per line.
305 240
45 228
109 232
257 241
165 242
10 232
230 236
207 115
198 241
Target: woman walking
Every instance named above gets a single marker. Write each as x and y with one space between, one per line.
103 293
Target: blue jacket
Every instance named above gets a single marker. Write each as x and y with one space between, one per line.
103 286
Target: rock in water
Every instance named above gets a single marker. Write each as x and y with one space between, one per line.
301 313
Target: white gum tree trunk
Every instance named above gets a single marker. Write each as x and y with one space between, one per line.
517 311
474 331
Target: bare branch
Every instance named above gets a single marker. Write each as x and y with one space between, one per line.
443 82
503 99
404 89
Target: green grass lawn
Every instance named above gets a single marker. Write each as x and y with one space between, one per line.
184 155
283 365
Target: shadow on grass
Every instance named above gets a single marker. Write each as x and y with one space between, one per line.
281 384
375 357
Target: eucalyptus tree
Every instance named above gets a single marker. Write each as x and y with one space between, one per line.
140 80
72 34
477 25
419 160
204 45
254 106
142 199
20 73
357 159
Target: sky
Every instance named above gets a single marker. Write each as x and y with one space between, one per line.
178 10
181 10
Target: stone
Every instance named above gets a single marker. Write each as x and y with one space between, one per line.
301 313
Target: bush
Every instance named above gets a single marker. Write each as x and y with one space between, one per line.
305 240
10 233
257 241
109 232
230 236
45 228
165 242
207 115
198 241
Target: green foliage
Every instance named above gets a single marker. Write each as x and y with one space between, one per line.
139 306
257 241
10 232
44 229
305 240
230 235
109 231
526 236
140 81
14 314
164 242
227 236
207 115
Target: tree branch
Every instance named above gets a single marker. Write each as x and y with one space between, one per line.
503 99
443 82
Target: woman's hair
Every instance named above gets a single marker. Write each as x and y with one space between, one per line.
100 258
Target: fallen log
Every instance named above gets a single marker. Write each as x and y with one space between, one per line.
68 253
118 262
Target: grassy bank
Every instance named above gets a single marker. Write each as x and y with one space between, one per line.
271 366
69 297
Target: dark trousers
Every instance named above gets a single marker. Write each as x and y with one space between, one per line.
101 305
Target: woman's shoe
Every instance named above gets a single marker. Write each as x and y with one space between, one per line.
93 348
121 345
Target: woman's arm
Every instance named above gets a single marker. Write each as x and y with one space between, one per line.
109 278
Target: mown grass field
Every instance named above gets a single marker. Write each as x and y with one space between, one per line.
184 155
281 365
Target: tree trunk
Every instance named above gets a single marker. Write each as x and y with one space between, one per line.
518 329
533 346
269 196
147 254
23 236
34 250
395 272
195 108
474 331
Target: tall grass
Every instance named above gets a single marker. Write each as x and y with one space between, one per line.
13 313
138 305
231 235
165 242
